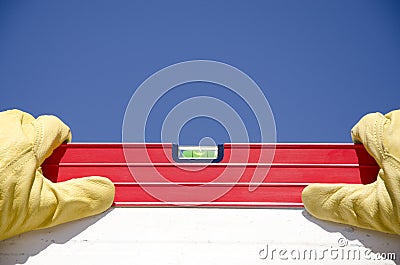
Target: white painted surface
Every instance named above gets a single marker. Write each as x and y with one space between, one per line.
197 236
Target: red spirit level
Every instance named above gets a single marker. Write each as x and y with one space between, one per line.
294 166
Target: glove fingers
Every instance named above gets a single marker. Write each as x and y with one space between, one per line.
50 133
12 138
70 200
79 198
353 204
391 140
50 204
369 132
13 119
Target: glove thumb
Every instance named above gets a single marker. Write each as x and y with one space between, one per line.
51 203
75 199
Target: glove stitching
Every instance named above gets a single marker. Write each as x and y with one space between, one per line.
38 139
392 161
21 151
29 158
19 164
396 164
14 165
14 161
378 132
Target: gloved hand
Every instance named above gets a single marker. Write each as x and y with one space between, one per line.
374 206
28 200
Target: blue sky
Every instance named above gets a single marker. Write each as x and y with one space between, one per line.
321 64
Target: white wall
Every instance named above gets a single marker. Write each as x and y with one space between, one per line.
196 236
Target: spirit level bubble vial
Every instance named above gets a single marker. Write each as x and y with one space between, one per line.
197 154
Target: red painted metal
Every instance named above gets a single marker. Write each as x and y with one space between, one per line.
294 166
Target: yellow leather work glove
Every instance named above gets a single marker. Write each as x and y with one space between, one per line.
374 206
28 200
